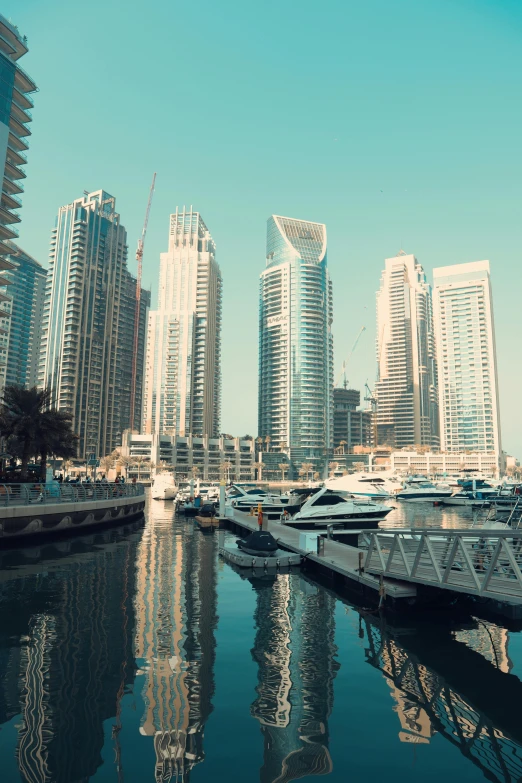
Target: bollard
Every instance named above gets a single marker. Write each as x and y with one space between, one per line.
361 568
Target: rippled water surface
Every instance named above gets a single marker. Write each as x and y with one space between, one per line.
136 655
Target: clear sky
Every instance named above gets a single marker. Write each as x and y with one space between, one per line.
398 124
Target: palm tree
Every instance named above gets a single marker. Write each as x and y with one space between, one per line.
283 445
259 467
359 466
307 468
267 441
107 462
27 419
138 461
194 471
317 476
333 467
225 467
342 443
283 467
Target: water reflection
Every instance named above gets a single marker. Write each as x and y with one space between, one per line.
295 651
457 684
66 650
175 646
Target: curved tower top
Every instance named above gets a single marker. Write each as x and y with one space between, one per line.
288 238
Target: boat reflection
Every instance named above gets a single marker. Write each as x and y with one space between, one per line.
295 651
66 656
176 617
456 683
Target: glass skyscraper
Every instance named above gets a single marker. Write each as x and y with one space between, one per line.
406 389
88 323
183 368
295 342
27 293
468 385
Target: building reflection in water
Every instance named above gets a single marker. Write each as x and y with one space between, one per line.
295 652
457 684
176 616
66 656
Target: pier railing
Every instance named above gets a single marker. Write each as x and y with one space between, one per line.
56 492
478 561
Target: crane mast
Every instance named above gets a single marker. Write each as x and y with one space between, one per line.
139 259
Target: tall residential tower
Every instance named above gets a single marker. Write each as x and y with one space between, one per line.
88 322
406 389
183 373
295 342
468 386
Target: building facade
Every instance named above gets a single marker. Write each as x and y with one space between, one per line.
352 426
22 343
87 337
214 458
16 87
295 342
406 389
466 354
183 370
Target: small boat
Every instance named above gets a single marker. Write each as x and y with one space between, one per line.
260 543
328 507
164 487
422 491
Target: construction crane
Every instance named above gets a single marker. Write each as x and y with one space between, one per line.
372 399
139 259
354 346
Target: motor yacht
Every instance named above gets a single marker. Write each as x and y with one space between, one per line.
377 486
164 487
330 507
421 490
273 506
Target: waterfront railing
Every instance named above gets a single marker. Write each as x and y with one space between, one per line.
56 492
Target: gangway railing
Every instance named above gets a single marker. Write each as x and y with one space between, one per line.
65 492
477 562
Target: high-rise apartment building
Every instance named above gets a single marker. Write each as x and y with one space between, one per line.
27 293
352 426
183 372
15 104
87 331
406 389
16 87
295 342
466 354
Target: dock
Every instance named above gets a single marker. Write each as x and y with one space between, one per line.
338 561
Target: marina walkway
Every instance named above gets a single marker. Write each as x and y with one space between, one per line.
341 558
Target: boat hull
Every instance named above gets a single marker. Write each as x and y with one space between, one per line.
346 522
165 494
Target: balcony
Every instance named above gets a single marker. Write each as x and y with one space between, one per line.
18 128
11 202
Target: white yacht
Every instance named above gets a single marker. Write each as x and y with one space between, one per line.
377 486
164 487
421 491
327 506
274 506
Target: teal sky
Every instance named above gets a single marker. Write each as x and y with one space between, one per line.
398 124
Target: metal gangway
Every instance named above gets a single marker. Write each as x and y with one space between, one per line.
476 561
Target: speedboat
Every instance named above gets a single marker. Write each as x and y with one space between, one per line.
164 487
329 507
273 506
377 486
420 491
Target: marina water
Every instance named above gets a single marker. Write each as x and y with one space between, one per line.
135 655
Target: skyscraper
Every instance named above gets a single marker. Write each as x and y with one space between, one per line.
15 102
466 354
295 341
183 373
87 332
406 389
27 292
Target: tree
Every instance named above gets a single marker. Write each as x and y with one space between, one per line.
139 461
342 443
307 468
267 441
122 461
259 467
334 466
359 466
283 467
107 462
225 467
317 476
27 418
283 445
194 471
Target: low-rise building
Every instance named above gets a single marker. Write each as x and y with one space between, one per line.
214 458
431 463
